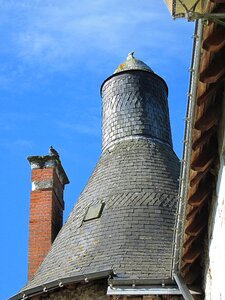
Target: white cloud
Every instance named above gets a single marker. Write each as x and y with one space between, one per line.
56 34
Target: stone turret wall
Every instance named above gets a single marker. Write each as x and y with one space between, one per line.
96 290
81 291
134 103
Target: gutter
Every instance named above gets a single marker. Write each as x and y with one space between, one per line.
50 286
151 290
143 290
121 286
185 165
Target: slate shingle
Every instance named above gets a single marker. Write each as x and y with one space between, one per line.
135 230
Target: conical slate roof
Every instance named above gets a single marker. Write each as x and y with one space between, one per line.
132 191
131 63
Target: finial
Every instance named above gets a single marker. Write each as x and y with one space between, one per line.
130 55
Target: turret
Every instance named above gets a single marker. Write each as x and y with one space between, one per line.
122 225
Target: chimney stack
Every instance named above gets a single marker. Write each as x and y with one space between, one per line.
46 207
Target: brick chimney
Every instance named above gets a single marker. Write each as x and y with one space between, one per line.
46 207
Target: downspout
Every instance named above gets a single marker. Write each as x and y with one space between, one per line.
185 163
183 287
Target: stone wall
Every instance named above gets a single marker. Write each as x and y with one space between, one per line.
214 285
215 247
96 291
82 291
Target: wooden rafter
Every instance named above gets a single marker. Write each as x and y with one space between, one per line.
197 225
215 41
214 71
198 177
191 255
195 209
185 268
193 274
200 196
189 241
207 95
207 120
203 161
204 138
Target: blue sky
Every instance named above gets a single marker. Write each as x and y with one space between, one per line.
54 55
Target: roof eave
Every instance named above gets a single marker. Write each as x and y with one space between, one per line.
53 285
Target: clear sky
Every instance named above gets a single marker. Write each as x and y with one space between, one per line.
54 55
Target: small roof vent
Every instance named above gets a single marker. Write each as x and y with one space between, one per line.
93 212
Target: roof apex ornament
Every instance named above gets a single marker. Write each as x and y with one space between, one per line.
130 55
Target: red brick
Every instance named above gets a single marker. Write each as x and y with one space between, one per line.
46 214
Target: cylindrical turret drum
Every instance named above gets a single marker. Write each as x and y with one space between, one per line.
134 103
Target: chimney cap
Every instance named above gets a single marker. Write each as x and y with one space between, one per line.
48 161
